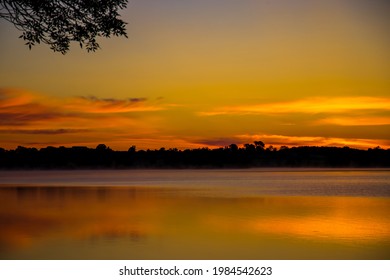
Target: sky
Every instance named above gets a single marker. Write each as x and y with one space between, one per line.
208 73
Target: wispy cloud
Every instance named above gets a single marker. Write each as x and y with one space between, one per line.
285 140
22 118
13 98
219 142
93 104
355 121
28 117
44 131
74 119
19 108
307 106
293 141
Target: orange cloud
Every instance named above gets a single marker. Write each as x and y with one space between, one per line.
307 106
12 97
28 118
43 131
282 140
17 106
354 121
49 120
21 108
92 104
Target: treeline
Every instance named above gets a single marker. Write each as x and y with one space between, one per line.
232 156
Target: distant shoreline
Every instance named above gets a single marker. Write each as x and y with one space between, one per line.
230 157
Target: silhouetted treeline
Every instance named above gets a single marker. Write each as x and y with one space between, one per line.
232 156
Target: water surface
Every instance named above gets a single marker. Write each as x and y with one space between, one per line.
195 214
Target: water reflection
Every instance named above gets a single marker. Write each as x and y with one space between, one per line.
171 223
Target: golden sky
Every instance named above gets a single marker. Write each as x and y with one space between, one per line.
208 73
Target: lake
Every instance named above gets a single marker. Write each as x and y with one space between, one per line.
195 214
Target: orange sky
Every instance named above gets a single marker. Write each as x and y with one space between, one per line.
208 73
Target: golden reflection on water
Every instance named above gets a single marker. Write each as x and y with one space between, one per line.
161 223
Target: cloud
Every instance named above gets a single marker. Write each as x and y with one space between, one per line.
307 106
28 117
44 131
355 121
93 104
219 142
74 120
294 141
20 118
18 108
13 98
284 140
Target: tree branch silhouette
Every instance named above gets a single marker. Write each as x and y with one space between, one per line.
59 22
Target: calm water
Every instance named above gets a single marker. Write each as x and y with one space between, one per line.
195 214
